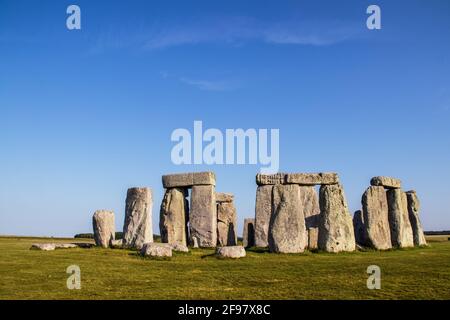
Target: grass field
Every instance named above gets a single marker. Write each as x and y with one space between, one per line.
419 273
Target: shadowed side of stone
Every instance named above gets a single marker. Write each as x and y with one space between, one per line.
249 233
401 231
416 225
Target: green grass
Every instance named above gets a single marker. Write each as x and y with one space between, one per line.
420 273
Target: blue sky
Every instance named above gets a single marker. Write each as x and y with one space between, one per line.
86 114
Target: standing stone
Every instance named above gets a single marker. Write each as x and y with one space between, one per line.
249 233
413 211
335 224
401 231
359 229
137 228
375 217
104 228
203 217
287 231
226 224
172 219
263 212
311 212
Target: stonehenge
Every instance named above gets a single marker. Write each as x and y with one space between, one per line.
290 217
389 216
104 228
137 227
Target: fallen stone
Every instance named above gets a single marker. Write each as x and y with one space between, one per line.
154 249
203 217
375 216
263 212
43 246
311 212
401 231
387 182
416 225
178 247
188 179
312 179
226 224
172 221
137 228
104 228
287 231
249 233
224 197
234 252
335 224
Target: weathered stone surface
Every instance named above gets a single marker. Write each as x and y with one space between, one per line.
335 224
226 224
270 179
375 217
43 246
249 233
311 212
311 179
172 219
179 247
416 225
305 179
287 231
104 228
387 182
401 231
224 197
359 229
203 217
188 179
137 228
154 249
234 252
263 212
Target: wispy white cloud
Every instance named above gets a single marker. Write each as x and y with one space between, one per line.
233 31
207 85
